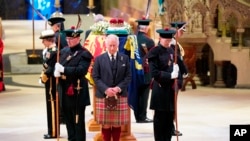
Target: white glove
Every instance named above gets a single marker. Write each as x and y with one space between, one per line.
57 73
176 67
185 75
175 71
59 67
40 82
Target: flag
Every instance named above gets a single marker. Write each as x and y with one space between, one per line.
161 7
136 70
95 44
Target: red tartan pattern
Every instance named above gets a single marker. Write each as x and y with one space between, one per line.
120 116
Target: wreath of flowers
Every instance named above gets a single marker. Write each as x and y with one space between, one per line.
101 27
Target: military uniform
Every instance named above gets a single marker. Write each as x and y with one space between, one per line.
73 86
161 62
145 43
49 60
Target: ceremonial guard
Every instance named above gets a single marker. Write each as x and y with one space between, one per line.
145 43
56 22
47 77
73 86
164 72
180 29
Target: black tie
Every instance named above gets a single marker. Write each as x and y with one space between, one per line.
113 66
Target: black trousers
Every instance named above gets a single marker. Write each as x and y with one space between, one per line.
76 131
143 94
50 95
163 124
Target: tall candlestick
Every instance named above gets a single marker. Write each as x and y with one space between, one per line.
91 2
57 3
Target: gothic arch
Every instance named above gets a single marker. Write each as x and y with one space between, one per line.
246 23
213 6
175 12
200 8
229 12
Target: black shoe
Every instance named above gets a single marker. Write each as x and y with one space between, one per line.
147 120
176 133
48 136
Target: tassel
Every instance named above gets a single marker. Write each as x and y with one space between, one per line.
70 91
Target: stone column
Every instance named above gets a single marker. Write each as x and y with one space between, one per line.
240 31
219 80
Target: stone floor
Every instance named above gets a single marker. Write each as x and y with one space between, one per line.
204 114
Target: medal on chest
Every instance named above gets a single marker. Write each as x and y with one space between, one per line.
47 55
171 60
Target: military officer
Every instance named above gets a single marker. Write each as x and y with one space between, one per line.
72 68
145 43
47 77
163 71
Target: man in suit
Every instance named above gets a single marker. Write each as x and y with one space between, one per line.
73 87
112 75
145 43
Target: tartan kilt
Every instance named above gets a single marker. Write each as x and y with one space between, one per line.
120 116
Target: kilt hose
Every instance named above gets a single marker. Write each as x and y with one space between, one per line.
120 116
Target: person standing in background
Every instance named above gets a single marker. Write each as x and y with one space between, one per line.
56 22
145 43
48 79
73 87
112 75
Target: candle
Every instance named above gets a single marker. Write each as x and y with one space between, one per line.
91 3
57 2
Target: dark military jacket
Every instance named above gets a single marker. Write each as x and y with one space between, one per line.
161 62
49 61
76 61
142 38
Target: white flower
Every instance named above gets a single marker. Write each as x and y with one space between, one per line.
99 28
